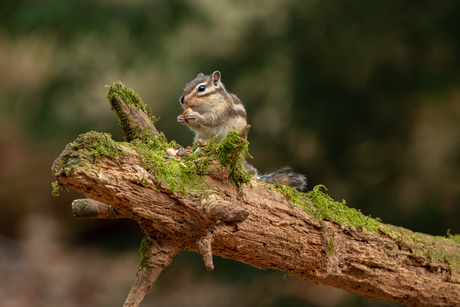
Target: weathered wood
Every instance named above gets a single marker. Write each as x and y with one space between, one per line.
275 234
92 209
157 255
254 224
130 110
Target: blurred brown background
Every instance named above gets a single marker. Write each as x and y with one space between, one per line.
361 96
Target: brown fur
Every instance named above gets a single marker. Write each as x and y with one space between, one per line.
215 111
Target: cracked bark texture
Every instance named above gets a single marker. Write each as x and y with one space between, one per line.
258 226
274 235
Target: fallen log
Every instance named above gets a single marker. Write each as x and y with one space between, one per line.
202 202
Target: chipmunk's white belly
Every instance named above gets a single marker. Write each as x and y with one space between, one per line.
208 132
204 132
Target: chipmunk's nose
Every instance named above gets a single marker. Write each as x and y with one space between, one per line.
182 99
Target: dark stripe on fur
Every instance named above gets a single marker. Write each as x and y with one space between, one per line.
192 84
241 113
236 100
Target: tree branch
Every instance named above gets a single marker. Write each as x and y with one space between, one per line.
262 225
92 209
157 254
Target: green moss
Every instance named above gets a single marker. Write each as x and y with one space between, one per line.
184 175
145 252
439 250
82 205
323 207
57 188
230 154
82 154
331 245
112 210
326 207
455 238
294 196
181 176
118 88
96 145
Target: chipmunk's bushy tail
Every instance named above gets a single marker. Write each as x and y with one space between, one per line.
284 176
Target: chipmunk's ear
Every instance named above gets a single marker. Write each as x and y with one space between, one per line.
200 75
216 78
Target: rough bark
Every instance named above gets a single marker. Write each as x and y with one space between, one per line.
158 254
257 225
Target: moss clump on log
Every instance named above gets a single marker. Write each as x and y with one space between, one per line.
179 174
230 153
97 145
133 115
321 206
182 175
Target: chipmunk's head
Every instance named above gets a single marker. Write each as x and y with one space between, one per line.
204 92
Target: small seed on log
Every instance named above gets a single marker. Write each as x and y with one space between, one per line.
201 142
171 152
181 152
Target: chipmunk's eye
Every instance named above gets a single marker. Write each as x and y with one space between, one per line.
201 88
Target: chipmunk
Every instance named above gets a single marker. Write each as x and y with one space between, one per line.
210 110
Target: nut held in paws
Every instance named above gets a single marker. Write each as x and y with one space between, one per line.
186 111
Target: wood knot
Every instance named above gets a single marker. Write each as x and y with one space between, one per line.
218 209
204 246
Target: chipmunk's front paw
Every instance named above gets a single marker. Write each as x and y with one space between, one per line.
181 119
191 117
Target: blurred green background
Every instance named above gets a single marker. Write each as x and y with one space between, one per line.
361 96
